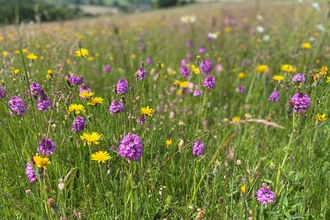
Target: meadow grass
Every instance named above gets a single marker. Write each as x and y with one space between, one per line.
250 142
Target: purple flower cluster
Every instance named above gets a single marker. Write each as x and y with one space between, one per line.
206 66
107 68
209 82
141 73
84 88
17 105
43 103
198 149
143 47
2 93
30 172
240 89
197 92
202 50
78 124
46 147
131 147
265 195
184 70
74 80
150 60
116 107
274 96
121 86
301 102
300 78
35 89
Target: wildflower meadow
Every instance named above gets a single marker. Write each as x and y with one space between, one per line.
209 111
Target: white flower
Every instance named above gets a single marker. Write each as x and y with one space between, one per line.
212 35
260 29
311 39
188 19
266 38
320 27
316 6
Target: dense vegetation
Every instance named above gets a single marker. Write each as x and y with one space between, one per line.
200 112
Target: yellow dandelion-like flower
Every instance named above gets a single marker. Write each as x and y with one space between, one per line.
278 78
90 139
328 79
95 101
16 71
48 77
316 77
321 118
16 51
195 69
241 75
306 45
179 92
76 109
177 82
243 189
90 58
227 29
1 38
288 68
198 57
49 72
4 53
133 56
323 71
24 50
147 111
262 69
41 162
86 94
184 84
82 52
32 57
169 142
100 156
236 119
111 58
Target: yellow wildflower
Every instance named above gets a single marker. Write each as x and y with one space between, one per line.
90 58
179 92
4 53
76 109
100 156
243 188
241 75
147 111
195 69
236 119
278 78
82 52
321 118
262 69
90 139
306 45
49 72
133 56
95 101
184 84
328 79
86 94
32 57
169 142
177 82
288 68
15 71
41 162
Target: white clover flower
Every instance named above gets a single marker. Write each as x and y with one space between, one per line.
260 29
260 18
266 38
212 35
